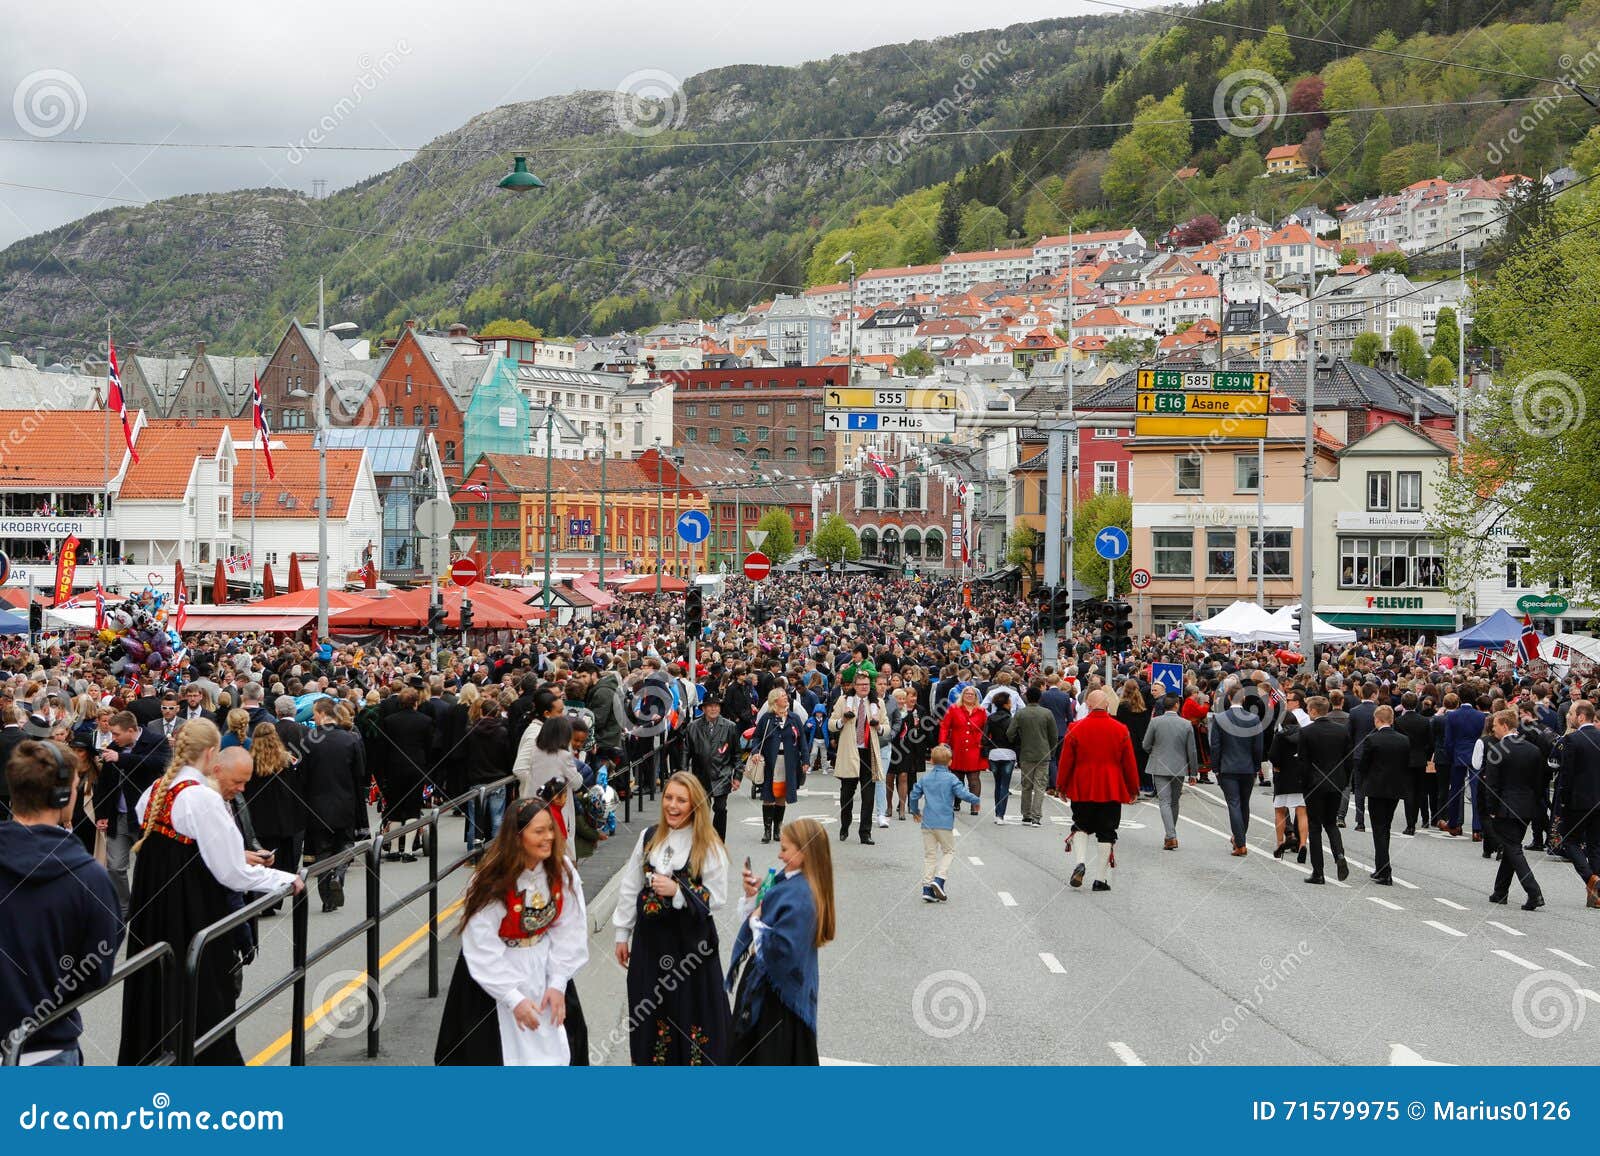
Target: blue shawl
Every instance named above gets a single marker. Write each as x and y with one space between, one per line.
786 965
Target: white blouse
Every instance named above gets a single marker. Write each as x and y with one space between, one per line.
672 854
510 975
204 816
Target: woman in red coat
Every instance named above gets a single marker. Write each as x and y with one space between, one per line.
962 731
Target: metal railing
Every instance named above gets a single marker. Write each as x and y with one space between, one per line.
156 955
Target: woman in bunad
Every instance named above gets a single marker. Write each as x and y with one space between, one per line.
677 878
523 937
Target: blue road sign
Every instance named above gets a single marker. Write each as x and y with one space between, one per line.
580 527
1111 542
694 526
861 420
1168 676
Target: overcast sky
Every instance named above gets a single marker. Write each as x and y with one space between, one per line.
194 71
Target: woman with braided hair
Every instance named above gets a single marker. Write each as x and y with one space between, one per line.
191 858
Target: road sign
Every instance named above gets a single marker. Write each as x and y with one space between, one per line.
463 571
465 542
934 399
435 518
1220 380
1225 427
836 420
5 568
433 554
756 537
580 527
694 526
1140 578
757 565
1168 676
1111 542
1199 401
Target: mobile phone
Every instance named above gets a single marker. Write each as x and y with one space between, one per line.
747 862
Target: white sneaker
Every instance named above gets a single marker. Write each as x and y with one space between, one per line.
999 822
883 820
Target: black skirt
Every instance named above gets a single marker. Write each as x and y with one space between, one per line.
776 1038
677 1008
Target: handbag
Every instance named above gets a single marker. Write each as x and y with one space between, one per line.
756 768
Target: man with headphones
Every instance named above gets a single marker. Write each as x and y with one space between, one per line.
63 922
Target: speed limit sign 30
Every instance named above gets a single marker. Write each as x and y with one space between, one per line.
1140 579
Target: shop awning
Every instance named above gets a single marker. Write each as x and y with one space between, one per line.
1396 620
202 621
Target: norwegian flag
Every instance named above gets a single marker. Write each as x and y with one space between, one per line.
262 431
880 467
114 399
475 488
1528 644
180 609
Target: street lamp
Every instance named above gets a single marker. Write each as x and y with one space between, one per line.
661 536
322 474
519 179
849 258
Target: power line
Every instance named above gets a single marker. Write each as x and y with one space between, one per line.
103 142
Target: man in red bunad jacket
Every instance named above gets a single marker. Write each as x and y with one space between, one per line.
1098 773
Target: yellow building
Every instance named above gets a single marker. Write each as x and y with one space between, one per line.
1286 160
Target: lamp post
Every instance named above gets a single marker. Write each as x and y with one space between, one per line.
605 452
549 453
849 258
660 530
322 474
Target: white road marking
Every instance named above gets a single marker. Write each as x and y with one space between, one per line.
1445 927
1401 1056
1005 899
829 1062
974 860
1449 904
1503 927
1591 996
1518 960
1126 1054
1384 903
1052 963
1572 959
1229 838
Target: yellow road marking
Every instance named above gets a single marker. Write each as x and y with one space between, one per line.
267 1055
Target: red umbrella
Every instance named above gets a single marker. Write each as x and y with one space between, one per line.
219 585
647 585
269 589
296 583
409 610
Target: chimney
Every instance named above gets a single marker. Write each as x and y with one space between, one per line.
200 349
1416 412
459 330
1388 362
412 324
131 349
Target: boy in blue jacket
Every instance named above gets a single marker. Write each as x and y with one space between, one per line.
939 789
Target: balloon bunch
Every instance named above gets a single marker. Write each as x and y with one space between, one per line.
137 635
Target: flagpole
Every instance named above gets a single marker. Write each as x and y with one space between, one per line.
253 504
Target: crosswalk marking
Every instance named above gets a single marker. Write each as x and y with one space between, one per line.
1005 899
1503 927
1518 960
1572 959
1052 963
1452 906
1384 903
1445 927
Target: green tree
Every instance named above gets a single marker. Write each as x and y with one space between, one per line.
1156 145
947 231
1114 509
1390 261
511 327
1129 348
1365 348
779 543
982 227
1407 348
1440 371
1447 336
1377 145
1347 84
915 362
835 541
1339 149
1585 155
1020 545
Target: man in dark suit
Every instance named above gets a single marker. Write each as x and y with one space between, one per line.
293 735
1463 727
1384 765
1531 726
165 726
134 760
1513 768
11 735
1361 725
1418 731
1580 798
1325 763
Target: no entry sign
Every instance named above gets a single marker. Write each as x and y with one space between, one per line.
463 571
757 566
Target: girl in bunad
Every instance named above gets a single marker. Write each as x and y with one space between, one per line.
522 939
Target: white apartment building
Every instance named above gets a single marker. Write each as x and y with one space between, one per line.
1347 305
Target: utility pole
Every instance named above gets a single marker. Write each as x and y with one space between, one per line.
1072 456
1461 386
1261 443
661 535
605 452
105 465
549 454
322 475
1307 537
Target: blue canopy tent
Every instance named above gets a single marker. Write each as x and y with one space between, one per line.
1492 633
13 622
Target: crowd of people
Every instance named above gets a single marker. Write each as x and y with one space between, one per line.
148 810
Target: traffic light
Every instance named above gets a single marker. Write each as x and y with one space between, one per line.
436 616
1108 628
1061 609
1122 625
35 618
466 614
758 612
1043 601
694 612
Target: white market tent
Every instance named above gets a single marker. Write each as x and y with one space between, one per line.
1282 629
1564 651
1239 622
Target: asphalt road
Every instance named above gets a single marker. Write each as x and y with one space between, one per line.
1193 957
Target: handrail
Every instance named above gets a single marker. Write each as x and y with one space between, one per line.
157 954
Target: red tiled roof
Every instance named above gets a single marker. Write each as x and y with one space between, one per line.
167 453
59 449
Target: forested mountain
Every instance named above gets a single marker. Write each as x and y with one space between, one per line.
761 175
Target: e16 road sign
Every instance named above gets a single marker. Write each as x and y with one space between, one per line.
1221 427
1200 402
1219 380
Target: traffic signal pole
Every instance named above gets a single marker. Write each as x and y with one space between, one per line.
1054 451
1111 597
